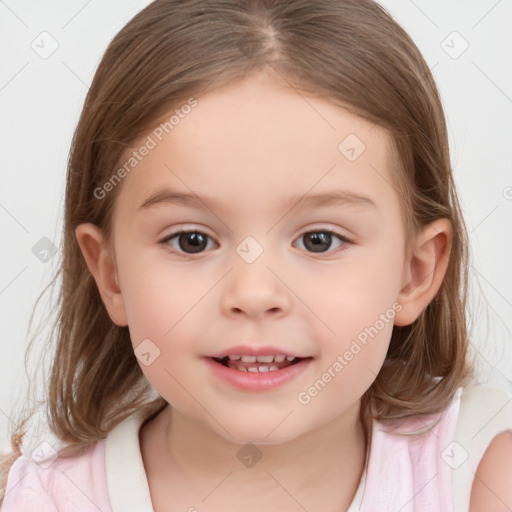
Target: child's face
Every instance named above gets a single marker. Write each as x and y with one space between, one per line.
244 151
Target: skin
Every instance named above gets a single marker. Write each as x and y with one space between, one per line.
492 489
249 147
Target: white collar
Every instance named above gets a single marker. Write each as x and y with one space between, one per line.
127 482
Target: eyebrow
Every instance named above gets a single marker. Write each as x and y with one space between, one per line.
338 197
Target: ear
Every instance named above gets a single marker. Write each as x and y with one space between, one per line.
424 270
101 264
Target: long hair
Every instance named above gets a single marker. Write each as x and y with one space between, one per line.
350 52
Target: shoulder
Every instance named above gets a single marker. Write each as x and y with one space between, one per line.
492 486
41 479
484 436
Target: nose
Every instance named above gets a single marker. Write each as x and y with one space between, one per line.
254 290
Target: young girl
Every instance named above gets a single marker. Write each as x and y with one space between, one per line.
263 279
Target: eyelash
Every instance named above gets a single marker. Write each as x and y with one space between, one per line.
165 242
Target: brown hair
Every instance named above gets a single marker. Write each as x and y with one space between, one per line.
350 52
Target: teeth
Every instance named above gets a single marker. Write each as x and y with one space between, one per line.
255 369
264 359
267 360
260 359
259 369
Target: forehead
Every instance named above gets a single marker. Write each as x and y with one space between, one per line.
259 139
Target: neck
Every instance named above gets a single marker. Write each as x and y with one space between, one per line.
322 467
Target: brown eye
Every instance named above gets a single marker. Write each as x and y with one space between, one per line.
192 242
189 242
317 241
321 241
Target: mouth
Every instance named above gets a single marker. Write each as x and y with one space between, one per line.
258 364
257 370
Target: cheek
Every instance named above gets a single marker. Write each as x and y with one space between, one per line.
162 325
357 305
162 304
357 293
350 360
157 294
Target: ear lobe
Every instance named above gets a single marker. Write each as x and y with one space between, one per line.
424 271
101 264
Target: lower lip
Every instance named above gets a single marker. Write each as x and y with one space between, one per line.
257 381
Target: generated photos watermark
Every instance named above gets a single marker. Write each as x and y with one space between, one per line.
150 143
342 360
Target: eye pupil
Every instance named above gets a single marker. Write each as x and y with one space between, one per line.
320 241
195 242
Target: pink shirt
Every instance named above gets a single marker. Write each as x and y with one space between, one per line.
431 472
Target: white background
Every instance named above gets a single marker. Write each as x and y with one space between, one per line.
40 101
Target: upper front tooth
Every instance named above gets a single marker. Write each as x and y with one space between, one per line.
265 359
290 358
234 358
248 359
279 359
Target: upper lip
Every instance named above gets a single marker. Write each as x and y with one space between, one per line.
248 350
